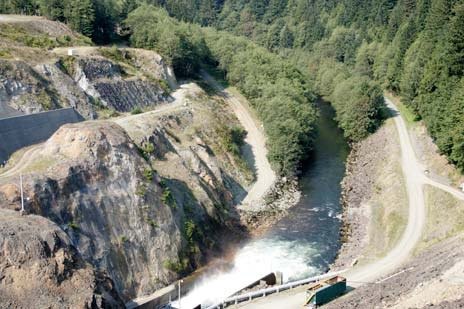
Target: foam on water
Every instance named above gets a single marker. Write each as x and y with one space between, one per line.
302 244
253 261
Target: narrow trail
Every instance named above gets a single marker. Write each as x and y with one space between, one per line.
414 173
179 97
265 176
26 159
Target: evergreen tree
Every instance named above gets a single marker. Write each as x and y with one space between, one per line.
53 9
456 41
207 13
82 16
286 38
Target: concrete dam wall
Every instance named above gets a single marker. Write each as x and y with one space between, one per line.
22 131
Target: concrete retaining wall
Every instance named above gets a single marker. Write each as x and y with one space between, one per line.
22 131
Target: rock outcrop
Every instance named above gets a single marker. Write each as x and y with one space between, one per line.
106 197
141 227
40 268
23 89
103 80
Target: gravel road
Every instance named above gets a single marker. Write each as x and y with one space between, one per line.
265 176
413 171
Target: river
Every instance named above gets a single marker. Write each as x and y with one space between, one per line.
305 242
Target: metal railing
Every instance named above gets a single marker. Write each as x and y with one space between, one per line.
271 290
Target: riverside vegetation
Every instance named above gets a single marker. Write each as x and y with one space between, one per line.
348 51
281 94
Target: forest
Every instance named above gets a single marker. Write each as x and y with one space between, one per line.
348 51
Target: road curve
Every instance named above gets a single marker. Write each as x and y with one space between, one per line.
414 179
265 176
413 173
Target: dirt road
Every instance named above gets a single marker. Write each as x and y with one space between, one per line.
265 176
179 97
415 178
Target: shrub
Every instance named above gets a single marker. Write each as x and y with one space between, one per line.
148 174
136 111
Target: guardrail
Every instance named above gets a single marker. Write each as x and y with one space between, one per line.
267 291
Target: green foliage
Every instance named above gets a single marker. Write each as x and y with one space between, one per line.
93 18
68 65
152 28
276 89
167 198
152 223
122 239
4 53
232 138
141 189
412 47
146 150
136 111
148 174
20 35
177 266
73 225
358 102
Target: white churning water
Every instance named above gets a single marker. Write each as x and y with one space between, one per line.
253 261
302 244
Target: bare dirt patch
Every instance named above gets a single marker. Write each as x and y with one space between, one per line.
434 278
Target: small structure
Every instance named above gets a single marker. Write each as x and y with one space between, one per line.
462 187
323 291
72 52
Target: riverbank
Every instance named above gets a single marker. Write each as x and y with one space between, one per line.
374 200
259 217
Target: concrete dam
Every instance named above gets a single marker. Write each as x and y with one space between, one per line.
25 130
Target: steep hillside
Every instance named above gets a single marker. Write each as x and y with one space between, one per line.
146 206
413 48
39 268
36 78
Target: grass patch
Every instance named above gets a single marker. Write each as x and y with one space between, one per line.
445 217
73 225
152 223
115 54
141 189
122 239
168 199
41 164
5 54
206 87
22 36
146 150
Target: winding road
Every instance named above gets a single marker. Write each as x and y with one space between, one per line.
265 176
415 179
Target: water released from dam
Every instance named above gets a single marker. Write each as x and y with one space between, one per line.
302 244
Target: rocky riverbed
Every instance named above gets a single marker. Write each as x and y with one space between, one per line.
374 202
282 196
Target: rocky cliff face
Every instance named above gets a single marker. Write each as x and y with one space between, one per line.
108 200
142 226
22 88
40 268
87 82
141 200
103 80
